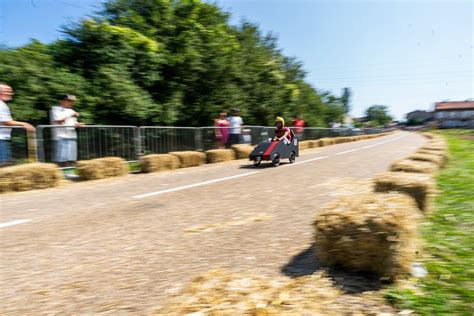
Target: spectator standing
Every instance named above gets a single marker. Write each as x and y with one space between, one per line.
222 129
235 123
6 94
65 138
298 124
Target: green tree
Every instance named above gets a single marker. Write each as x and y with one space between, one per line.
378 115
346 99
37 81
167 62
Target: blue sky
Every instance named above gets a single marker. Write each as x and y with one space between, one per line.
404 54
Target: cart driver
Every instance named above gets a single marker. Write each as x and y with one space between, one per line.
282 133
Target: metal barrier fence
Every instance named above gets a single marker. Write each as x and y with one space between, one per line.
165 139
13 144
92 141
131 142
220 137
213 137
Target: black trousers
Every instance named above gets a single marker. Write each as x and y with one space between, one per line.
234 139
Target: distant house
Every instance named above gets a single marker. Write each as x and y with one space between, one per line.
455 114
419 117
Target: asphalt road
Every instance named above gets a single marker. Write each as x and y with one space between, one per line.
122 245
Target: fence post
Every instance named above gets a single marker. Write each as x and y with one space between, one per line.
40 144
31 139
137 140
198 139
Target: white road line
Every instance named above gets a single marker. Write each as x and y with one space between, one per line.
193 185
20 221
347 151
305 161
141 196
387 141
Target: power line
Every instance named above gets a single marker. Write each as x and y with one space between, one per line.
398 63
71 5
404 75
410 79
407 80
364 69
393 83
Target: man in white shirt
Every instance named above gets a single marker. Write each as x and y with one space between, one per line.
235 124
6 94
64 138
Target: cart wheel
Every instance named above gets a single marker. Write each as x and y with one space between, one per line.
276 161
256 163
292 157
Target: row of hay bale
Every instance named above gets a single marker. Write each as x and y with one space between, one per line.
328 141
184 159
38 175
161 162
41 175
33 176
379 232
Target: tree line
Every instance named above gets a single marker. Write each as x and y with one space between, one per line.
165 62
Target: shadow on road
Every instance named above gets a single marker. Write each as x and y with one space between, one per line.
263 165
307 262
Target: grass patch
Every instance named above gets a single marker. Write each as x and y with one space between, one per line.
448 239
134 166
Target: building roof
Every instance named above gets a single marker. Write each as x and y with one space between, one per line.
455 105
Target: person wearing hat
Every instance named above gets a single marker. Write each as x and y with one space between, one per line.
6 94
282 133
235 124
64 138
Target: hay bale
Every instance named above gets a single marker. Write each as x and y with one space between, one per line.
314 143
437 145
433 138
376 232
308 144
436 159
407 165
419 186
341 140
429 135
242 151
190 158
29 176
219 155
159 162
434 147
305 144
443 155
326 142
102 168
203 157
338 140
221 293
